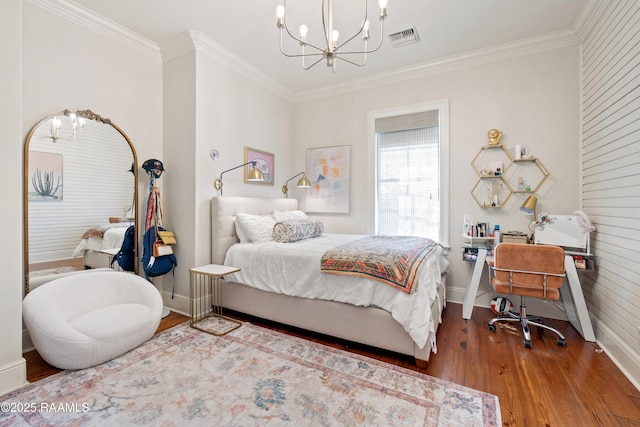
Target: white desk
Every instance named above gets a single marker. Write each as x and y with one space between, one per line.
574 303
572 296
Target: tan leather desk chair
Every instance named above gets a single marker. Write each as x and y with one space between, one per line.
528 271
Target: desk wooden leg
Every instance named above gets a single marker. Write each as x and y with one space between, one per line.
474 283
574 302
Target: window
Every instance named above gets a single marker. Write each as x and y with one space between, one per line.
411 171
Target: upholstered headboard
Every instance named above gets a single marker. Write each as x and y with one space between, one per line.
223 215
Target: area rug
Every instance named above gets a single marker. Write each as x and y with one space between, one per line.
49 271
250 377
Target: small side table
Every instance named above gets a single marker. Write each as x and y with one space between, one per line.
206 299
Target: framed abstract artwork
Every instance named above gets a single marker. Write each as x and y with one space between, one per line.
264 161
328 169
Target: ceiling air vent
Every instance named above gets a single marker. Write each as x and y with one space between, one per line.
404 37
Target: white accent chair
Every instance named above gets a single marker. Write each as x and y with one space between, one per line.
89 318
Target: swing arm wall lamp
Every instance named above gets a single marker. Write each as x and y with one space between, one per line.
255 174
302 183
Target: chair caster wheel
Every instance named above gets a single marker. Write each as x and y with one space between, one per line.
562 342
492 328
527 344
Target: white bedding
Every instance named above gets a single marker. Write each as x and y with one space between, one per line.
112 238
294 269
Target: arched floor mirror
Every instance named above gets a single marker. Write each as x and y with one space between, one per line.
80 195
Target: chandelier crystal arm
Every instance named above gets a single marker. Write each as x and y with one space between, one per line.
282 24
360 31
354 52
294 55
309 66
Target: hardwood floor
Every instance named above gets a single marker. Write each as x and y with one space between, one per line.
548 385
76 263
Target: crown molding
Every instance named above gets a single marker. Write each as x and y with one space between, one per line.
98 24
194 40
588 17
528 46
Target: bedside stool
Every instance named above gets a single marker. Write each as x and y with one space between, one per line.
206 299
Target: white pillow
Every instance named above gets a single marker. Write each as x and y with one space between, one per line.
285 215
256 228
242 235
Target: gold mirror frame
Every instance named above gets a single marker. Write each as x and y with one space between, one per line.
87 115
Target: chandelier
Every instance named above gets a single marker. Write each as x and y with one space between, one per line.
76 124
331 45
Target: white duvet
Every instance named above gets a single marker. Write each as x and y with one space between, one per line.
112 238
294 269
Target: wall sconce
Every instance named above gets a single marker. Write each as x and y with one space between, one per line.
255 174
302 183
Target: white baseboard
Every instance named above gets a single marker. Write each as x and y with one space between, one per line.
13 376
619 352
179 304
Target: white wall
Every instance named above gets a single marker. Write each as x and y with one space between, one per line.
611 190
12 365
533 99
211 104
65 65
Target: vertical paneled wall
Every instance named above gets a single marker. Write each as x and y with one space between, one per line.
611 169
95 184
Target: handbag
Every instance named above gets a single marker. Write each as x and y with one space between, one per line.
164 238
160 249
167 237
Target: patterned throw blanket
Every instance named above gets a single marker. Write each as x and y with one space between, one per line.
393 260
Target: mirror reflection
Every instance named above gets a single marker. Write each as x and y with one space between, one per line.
80 195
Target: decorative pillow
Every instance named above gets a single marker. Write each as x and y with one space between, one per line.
293 230
255 228
285 215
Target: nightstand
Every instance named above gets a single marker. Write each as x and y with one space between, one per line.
206 299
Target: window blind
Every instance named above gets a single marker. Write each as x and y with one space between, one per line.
407 181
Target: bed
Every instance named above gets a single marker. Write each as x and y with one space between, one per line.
364 323
98 239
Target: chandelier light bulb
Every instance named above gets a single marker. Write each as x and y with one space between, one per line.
280 15
383 3
303 34
365 30
334 37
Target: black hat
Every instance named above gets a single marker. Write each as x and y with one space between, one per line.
153 166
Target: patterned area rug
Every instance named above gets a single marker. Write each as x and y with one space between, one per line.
250 377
